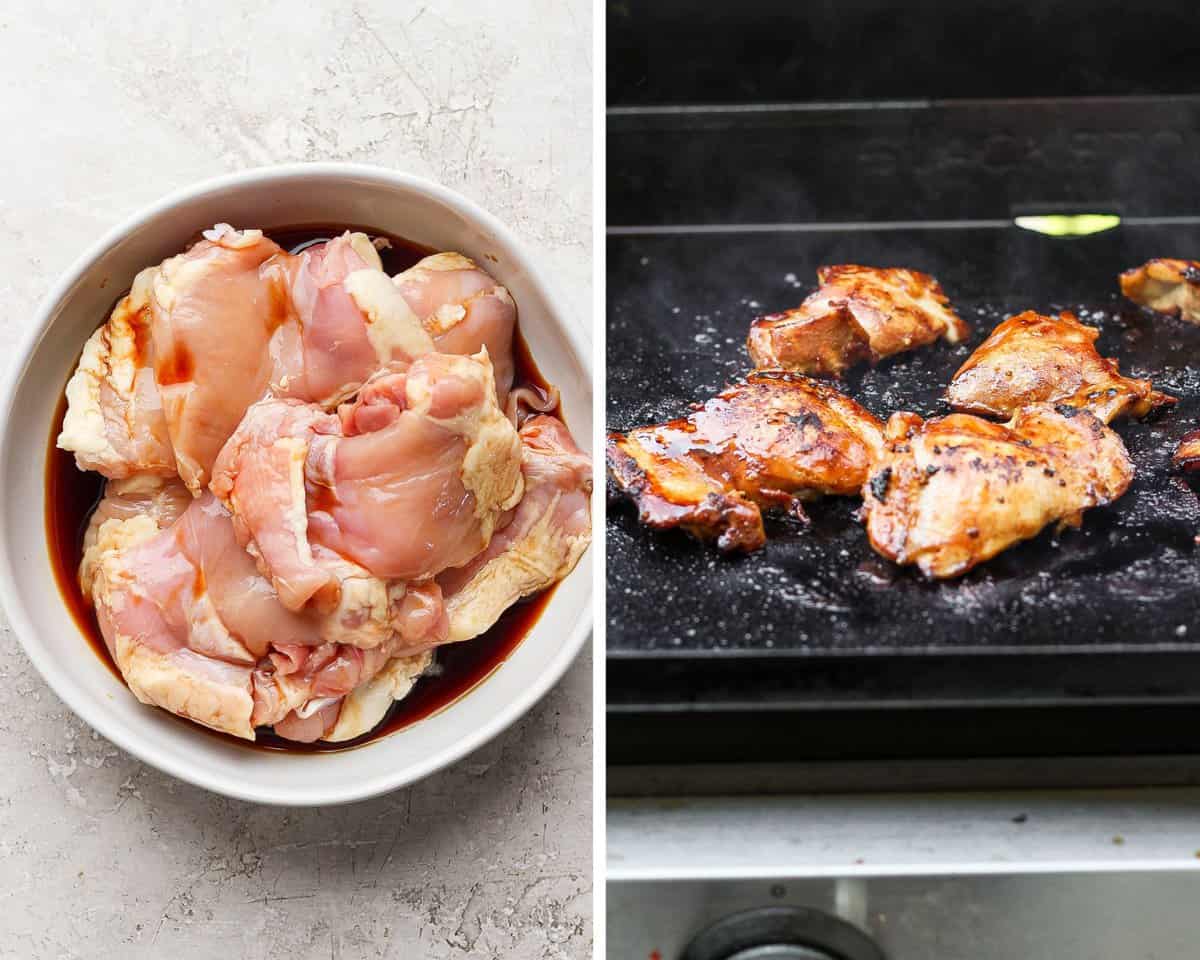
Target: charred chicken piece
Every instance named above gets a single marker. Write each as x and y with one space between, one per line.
1187 454
1167 286
857 313
1031 358
770 441
952 492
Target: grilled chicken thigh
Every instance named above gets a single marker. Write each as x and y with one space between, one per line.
857 313
1167 286
1032 358
770 441
1187 454
949 493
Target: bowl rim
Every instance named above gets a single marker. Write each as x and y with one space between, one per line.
336 791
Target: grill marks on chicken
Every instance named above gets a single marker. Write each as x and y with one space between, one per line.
856 314
297 446
768 442
1031 358
949 493
1166 286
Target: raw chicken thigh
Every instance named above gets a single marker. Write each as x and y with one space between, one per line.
114 422
235 319
196 629
407 481
540 544
463 309
132 509
303 454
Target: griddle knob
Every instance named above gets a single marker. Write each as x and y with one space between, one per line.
782 933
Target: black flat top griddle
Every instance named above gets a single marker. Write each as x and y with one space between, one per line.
718 215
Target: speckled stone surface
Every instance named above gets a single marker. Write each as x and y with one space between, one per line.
104 109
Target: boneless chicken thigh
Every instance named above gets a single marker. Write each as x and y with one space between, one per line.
948 493
407 481
540 543
132 509
1031 358
464 309
768 442
857 313
1169 286
235 319
114 422
303 453
196 629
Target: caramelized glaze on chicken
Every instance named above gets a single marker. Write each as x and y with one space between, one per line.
1187 454
949 493
768 442
1031 358
857 313
1167 286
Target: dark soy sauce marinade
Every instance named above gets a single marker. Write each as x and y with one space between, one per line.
72 494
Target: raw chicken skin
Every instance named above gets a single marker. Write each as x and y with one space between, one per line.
407 481
114 422
164 383
351 321
267 553
132 509
542 542
195 628
464 310
213 312
366 705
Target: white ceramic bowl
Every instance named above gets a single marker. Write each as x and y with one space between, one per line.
272 197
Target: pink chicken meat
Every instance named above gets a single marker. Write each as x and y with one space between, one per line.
236 319
313 481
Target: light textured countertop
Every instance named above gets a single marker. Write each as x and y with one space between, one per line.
104 109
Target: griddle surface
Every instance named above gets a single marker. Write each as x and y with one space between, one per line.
679 310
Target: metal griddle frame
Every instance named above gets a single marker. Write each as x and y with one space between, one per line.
692 186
